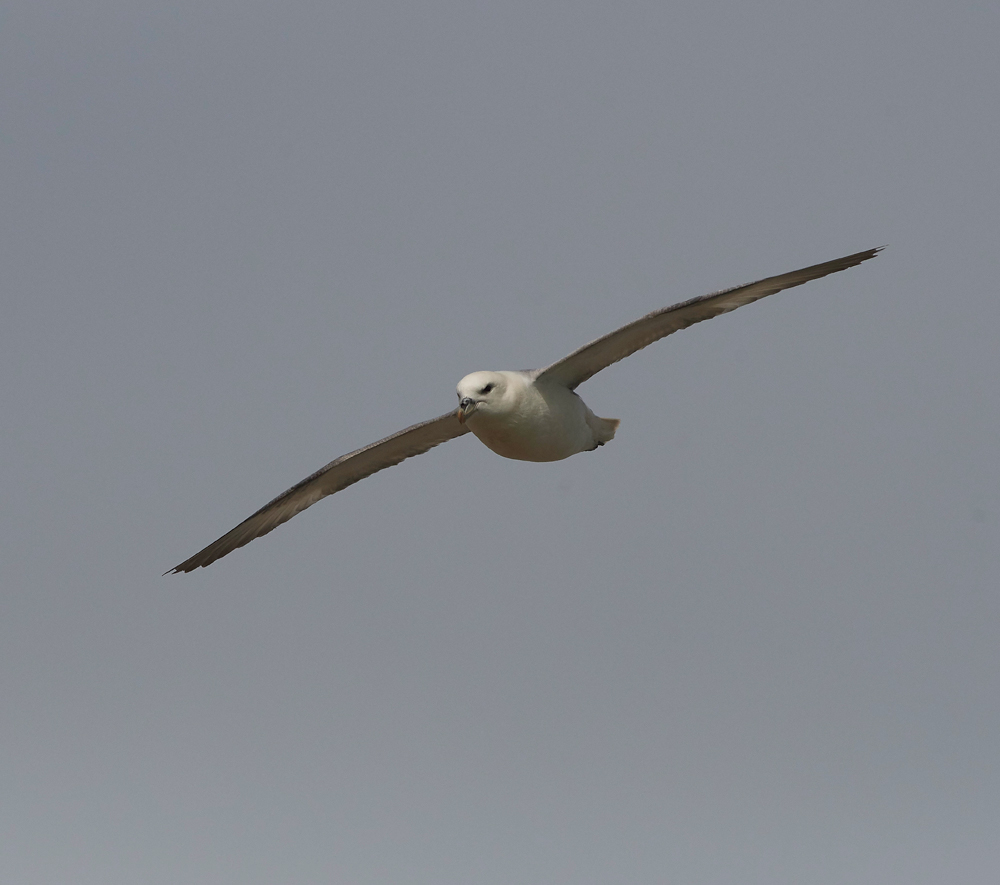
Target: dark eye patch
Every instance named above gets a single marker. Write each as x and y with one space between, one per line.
487 388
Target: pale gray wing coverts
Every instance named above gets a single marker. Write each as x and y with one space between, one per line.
591 358
337 475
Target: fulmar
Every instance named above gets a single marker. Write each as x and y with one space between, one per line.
528 416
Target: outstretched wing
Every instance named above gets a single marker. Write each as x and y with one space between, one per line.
337 475
591 358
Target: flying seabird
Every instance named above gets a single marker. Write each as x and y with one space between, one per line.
529 416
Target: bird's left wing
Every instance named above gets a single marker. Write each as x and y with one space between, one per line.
591 358
337 475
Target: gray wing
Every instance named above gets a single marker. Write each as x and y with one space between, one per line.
591 358
337 475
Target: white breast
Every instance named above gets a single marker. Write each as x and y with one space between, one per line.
535 422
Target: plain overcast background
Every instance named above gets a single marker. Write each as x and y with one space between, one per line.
753 640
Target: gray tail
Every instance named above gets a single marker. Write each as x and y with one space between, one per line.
603 428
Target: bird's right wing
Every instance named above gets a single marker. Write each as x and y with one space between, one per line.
591 358
337 475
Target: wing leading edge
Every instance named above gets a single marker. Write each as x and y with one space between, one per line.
588 360
339 474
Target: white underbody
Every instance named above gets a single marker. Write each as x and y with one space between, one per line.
534 421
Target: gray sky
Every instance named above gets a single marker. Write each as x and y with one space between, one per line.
752 640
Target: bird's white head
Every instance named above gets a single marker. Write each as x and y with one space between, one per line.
480 391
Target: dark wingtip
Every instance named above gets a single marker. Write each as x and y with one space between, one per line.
868 253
